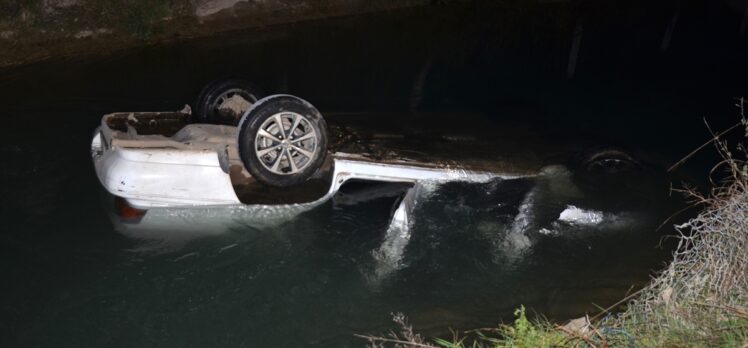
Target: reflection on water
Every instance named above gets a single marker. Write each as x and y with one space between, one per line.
166 229
319 269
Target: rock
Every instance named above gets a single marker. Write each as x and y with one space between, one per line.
7 34
580 326
83 34
91 33
51 6
210 7
60 3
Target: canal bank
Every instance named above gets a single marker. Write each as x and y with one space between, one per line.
37 30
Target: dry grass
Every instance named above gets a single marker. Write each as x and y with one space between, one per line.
701 298
406 338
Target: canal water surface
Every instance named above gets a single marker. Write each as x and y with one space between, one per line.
74 276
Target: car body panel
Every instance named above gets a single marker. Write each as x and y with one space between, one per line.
196 164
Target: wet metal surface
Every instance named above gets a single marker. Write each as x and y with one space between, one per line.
442 140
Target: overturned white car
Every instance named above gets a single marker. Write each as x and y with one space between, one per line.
242 159
240 150
281 152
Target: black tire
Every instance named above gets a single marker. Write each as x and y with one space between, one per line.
607 160
208 108
307 157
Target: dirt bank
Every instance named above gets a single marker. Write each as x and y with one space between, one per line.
39 29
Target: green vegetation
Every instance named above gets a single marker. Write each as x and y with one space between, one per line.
699 300
46 29
136 18
523 334
12 8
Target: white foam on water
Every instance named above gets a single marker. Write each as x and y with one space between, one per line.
388 258
578 216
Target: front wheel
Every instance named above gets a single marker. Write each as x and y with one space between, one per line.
282 140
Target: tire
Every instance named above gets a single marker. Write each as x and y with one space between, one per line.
225 101
277 159
607 160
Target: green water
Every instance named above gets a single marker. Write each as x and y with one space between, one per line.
74 277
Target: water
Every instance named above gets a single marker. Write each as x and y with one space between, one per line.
560 244
307 279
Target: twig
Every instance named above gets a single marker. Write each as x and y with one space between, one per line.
489 329
604 342
392 340
617 304
676 214
739 311
684 159
727 328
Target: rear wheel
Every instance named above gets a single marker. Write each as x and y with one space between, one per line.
608 160
282 140
609 171
225 101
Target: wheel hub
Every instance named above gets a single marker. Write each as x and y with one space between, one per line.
286 143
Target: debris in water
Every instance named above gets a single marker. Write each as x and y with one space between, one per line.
235 105
185 256
227 247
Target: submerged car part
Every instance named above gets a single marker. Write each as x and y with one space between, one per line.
608 160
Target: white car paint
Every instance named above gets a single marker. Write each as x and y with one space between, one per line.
156 171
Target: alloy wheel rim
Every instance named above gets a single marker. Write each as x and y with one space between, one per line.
286 143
